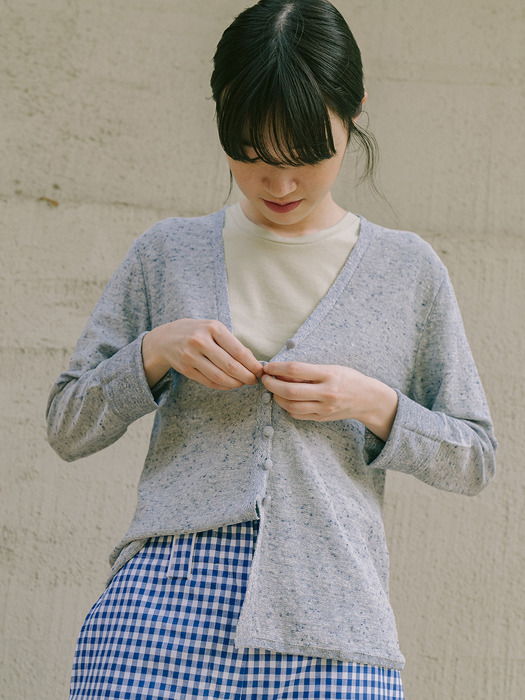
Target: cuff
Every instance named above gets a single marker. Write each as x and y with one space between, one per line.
126 387
413 440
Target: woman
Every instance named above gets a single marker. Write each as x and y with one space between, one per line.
292 352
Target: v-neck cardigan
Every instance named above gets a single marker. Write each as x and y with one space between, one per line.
319 579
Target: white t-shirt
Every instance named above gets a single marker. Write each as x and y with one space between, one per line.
275 282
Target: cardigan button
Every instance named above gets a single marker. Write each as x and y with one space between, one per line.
268 431
266 398
290 344
266 501
267 464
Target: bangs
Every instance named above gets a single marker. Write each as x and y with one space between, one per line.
283 119
280 70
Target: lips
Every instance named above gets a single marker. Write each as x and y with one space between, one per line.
282 208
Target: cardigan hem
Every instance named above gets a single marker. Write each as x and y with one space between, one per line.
338 654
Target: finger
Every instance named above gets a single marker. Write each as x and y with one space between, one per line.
303 410
309 416
307 410
290 390
228 365
299 409
202 379
228 342
215 374
207 341
296 371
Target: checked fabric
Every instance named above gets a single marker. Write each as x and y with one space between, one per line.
164 628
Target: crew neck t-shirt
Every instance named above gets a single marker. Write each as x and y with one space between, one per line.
275 282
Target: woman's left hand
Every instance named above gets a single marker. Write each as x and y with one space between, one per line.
331 392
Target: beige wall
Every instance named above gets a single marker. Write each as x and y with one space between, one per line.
104 109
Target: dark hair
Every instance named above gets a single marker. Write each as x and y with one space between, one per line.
278 70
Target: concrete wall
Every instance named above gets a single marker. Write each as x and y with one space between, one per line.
107 127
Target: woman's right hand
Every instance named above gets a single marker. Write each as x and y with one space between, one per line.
203 350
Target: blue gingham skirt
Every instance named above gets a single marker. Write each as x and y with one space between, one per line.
164 628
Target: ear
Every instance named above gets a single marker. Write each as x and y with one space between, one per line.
354 119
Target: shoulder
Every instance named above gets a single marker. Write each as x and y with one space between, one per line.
400 243
174 244
401 252
179 232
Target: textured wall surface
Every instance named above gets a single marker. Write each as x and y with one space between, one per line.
107 126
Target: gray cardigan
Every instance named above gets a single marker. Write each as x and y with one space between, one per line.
319 579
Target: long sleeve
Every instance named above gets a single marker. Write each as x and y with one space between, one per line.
443 433
105 389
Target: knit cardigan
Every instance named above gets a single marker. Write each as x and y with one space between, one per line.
318 584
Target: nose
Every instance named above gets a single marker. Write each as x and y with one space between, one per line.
279 181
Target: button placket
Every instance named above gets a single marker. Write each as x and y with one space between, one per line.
267 433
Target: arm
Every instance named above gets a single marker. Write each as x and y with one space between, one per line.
443 432
105 389
440 430
121 369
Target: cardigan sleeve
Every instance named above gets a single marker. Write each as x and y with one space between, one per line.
443 432
105 388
